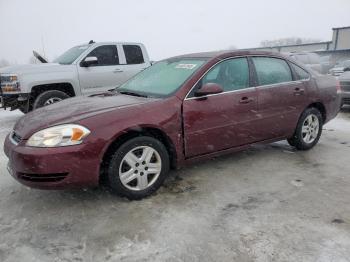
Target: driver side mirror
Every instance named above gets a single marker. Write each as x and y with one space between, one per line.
89 61
209 89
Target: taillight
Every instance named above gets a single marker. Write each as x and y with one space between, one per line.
337 86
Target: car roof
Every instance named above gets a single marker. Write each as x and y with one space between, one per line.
115 43
230 53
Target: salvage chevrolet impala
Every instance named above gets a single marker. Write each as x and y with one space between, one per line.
179 110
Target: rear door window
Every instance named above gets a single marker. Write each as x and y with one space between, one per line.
271 70
133 54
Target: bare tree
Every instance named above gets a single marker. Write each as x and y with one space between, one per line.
4 62
288 41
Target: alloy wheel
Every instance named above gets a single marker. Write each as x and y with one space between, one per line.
140 168
52 101
310 129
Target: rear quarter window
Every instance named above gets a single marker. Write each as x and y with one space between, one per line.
300 73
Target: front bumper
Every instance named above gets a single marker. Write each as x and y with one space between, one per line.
13 101
53 168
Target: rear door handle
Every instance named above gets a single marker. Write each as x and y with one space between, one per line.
298 91
246 100
117 70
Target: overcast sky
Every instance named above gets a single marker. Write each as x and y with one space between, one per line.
166 27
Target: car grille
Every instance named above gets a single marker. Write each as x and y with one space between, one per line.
345 86
15 138
42 177
346 101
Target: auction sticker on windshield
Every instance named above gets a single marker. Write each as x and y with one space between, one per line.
186 66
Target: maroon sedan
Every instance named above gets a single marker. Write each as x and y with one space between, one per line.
179 110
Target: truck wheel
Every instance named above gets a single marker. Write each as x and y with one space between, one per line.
49 97
138 167
308 130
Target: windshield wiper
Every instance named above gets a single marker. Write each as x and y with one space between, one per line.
130 93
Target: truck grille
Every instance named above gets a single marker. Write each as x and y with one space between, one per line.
345 86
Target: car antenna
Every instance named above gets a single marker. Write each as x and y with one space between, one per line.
91 42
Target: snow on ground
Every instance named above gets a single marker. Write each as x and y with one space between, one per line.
267 203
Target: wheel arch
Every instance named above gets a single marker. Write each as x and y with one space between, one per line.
130 133
65 87
320 106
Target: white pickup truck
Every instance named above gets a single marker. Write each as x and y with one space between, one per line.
82 70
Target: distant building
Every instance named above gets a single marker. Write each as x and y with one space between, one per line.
338 48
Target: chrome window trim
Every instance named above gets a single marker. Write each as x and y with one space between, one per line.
299 81
227 92
294 82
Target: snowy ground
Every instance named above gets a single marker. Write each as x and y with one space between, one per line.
268 203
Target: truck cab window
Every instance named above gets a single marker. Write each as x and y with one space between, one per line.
107 55
133 54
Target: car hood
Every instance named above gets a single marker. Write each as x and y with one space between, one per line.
74 109
35 68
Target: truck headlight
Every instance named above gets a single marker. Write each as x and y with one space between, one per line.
57 136
9 83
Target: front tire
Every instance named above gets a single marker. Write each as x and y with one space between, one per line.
24 109
49 97
308 130
138 167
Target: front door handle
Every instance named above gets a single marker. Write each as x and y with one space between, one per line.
117 70
246 100
298 91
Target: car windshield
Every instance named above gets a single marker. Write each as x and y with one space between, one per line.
71 55
163 78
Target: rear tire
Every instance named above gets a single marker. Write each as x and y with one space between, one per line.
308 131
49 97
138 167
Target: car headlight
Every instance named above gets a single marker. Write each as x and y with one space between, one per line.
57 136
10 83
